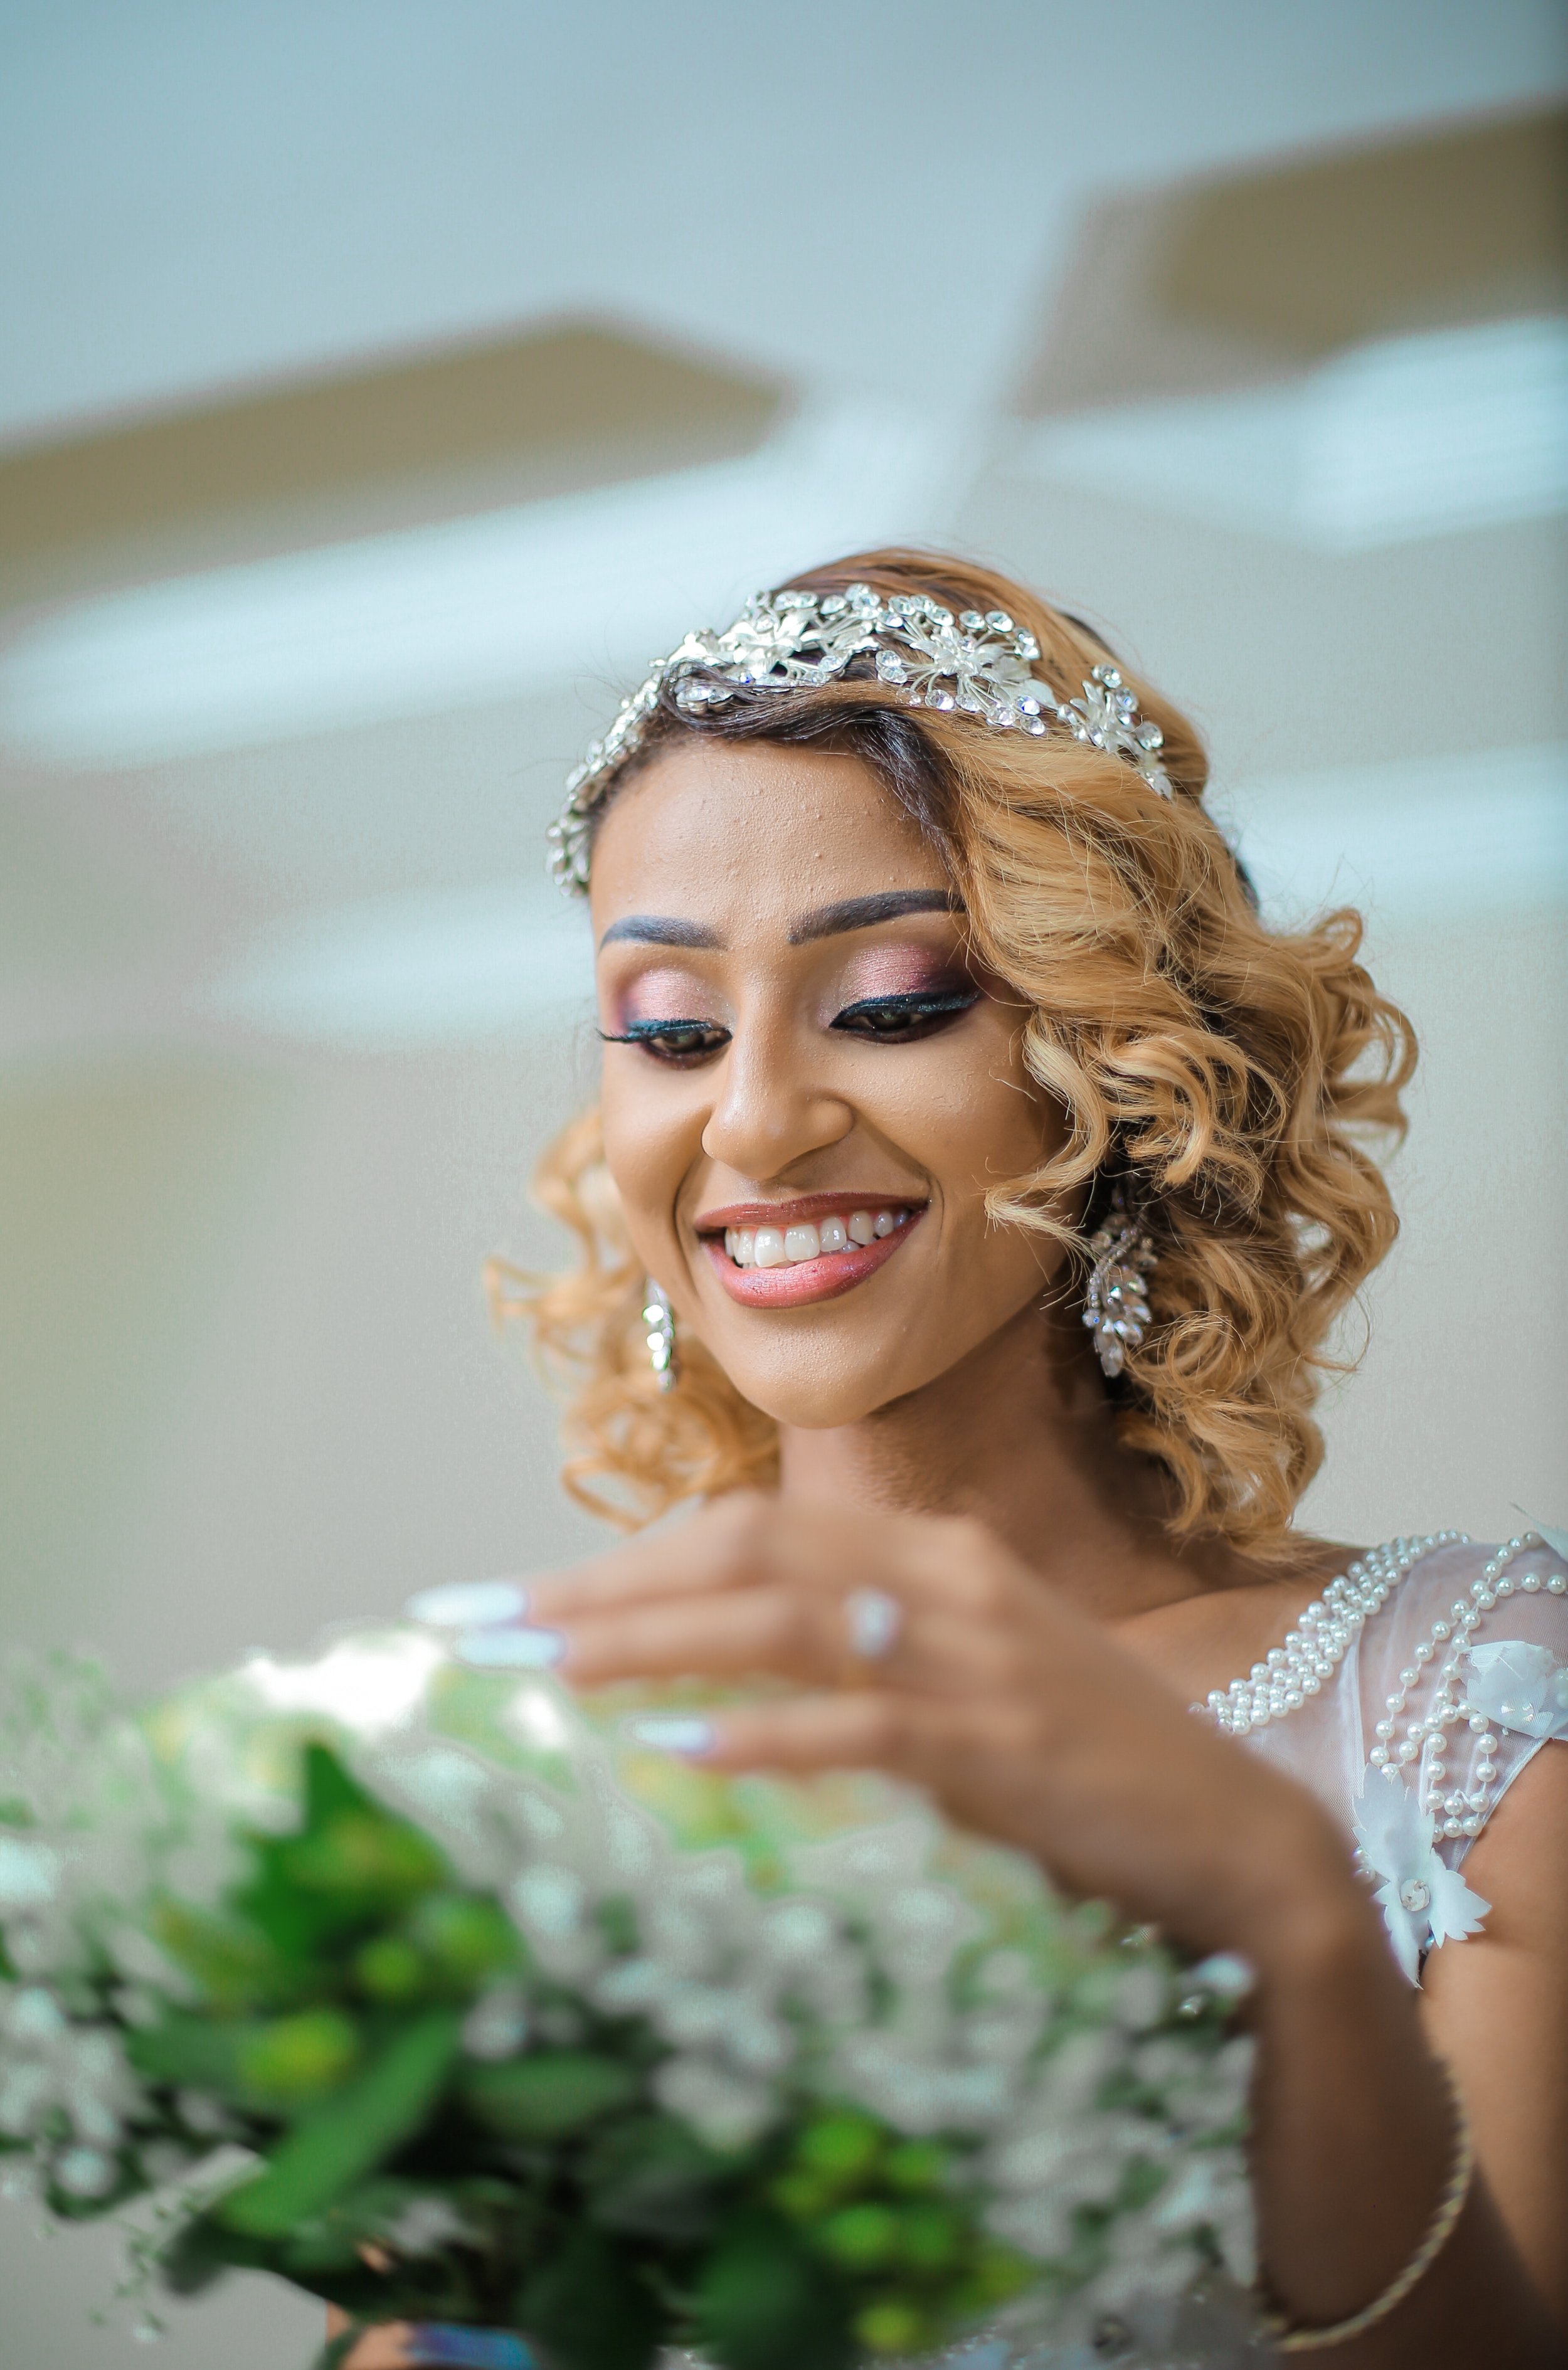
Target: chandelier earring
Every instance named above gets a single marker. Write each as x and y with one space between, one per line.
658 1318
1115 1302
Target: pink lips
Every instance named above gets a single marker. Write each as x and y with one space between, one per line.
796 1285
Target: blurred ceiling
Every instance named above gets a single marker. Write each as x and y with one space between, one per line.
384 382
1251 275
553 410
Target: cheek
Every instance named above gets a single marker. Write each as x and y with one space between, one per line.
650 1143
972 1115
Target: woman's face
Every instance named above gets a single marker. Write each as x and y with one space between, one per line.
814 1088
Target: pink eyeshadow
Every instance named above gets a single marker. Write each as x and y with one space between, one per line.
901 971
663 996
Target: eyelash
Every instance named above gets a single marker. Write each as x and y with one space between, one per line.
912 1017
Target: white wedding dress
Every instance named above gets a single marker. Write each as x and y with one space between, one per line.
1408 1699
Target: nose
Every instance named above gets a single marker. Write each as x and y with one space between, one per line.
771 1111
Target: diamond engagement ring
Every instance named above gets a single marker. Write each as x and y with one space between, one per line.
874 1620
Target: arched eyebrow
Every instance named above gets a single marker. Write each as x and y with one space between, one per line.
864 913
659 930
822 922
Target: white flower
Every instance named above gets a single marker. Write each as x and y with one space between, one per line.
719 2106
1521 1687
1424 1903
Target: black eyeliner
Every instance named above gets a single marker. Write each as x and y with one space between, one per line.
916 1003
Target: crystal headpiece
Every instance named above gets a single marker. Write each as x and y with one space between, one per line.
797 640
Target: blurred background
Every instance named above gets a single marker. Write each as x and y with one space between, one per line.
381 385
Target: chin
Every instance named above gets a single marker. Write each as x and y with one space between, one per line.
811 1390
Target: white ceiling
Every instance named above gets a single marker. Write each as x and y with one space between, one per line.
193 194
300 799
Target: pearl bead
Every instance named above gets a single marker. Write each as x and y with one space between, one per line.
1530 1582
1505 1585
1558 1584
1478 1722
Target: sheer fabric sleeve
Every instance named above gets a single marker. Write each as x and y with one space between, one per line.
1511 1668
1447 1693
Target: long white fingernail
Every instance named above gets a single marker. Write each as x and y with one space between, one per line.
468 1604
672 1731
511 1650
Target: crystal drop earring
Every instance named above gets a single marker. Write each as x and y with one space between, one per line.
1115 1303
660 1320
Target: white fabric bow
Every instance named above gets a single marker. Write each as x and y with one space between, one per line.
1424 1900
1521 1687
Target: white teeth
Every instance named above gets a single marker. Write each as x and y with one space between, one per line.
789 1245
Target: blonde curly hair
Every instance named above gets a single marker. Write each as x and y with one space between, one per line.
1216 1065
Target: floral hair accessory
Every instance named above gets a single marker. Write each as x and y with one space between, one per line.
796 640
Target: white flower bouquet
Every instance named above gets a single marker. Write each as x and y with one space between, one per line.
434 1992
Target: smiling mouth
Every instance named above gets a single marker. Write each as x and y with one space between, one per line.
805 1251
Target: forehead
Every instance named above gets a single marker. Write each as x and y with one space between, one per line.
737 833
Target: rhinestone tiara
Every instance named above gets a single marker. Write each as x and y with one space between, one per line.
795 640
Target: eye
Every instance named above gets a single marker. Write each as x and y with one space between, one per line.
681 1042
900 1019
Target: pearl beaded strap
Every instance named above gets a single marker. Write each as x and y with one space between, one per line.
1289 1673
1458 1814
1315 1648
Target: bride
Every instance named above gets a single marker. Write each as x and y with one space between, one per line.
977 1182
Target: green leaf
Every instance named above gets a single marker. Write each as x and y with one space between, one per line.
547 2093
194 2053
202 2250
469 1938
862 2237
233 1961
299 2056
350 1862
590 2309
651 2175
356 2131
389 1967
841 2147
764 2301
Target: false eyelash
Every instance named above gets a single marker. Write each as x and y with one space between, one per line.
640 1031
916 1005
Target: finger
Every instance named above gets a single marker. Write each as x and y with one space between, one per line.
871 1728
785 1633
749 1537
387 2348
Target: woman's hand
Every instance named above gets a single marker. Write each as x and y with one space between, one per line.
1032 1724
1026 1721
